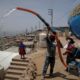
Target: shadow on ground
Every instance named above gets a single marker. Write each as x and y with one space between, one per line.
58 74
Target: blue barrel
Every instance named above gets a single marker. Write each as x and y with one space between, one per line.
74 23
77 53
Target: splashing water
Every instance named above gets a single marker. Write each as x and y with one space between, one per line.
7 14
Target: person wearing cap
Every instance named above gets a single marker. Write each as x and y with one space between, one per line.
50 54
70 50
22 51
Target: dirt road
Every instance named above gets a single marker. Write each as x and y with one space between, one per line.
59 70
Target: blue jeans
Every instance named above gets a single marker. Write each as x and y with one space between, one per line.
48 61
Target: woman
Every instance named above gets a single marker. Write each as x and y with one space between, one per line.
22 51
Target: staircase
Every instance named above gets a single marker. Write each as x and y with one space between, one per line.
21 69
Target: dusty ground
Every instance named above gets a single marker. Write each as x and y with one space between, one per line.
59 70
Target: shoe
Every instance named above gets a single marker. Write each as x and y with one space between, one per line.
51 75
24 57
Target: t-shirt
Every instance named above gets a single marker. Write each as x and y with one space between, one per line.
51 48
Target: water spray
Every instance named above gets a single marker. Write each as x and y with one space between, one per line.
7 14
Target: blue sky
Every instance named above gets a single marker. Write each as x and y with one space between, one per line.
18 21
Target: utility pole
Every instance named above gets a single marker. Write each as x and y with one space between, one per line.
50 11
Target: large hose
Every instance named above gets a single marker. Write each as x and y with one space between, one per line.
48 26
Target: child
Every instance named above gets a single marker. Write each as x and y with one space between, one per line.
22 51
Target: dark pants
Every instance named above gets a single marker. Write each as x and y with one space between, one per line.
48 61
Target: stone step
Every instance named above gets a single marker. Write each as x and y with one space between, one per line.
19 63
17 67
21 60
12 76
8 79
13 71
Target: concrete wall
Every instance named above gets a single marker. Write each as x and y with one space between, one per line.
1 73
